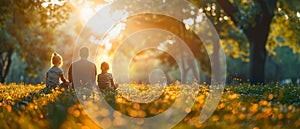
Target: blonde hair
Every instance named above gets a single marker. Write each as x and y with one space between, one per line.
104 66
56 60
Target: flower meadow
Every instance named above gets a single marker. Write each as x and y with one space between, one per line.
242 106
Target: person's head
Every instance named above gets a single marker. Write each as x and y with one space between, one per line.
84 52
104 66
56 60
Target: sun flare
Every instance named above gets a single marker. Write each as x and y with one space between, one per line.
86 13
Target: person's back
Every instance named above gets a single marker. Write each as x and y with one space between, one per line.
83 72
105 79
55 74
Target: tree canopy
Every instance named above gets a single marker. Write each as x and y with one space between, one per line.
27 29
250 30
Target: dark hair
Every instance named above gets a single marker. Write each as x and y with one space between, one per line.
84 52
104 66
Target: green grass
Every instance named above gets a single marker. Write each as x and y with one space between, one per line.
242 106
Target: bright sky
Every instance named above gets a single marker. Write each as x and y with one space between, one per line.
102 22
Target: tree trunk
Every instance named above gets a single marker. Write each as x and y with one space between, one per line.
2 79
256 35
257 61
5 65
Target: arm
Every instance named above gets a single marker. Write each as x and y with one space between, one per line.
95 74
70 78
46 77
98 81
47 80
63 78
112 83
70 74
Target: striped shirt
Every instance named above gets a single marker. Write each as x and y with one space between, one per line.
104 80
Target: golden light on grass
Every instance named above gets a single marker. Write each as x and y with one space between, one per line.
152 111
142 114
280 116
254 108
136 106
133 113
221 106
233 96
215 118
271 96
264 103
236 112
188 110
76 113
291 107
104 112
106 122
118 121
8 108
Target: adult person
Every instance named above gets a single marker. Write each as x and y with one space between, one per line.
82 72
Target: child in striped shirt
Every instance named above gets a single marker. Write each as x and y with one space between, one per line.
105 79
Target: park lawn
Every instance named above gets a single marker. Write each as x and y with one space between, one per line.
241 106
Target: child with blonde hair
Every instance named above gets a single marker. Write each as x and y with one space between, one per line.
105 79
55 74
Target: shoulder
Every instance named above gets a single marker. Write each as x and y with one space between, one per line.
84 61
55 70
91 63
50 69
76 62
108 75
59 70
105 74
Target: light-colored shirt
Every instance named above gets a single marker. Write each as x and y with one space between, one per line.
104 80
53 76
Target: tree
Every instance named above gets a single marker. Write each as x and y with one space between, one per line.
146 21
284 65
248 28
27 29
264 24
256 25
257 33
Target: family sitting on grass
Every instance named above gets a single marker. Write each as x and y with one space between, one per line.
81 73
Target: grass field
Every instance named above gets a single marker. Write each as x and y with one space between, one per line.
242 106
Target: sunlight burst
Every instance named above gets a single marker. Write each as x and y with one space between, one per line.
86 13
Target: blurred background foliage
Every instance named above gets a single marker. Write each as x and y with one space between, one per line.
31 30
